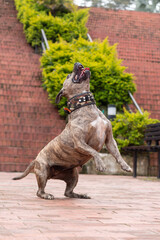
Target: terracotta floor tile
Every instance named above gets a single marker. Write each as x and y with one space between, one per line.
121 208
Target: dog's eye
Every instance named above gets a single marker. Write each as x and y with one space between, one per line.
68 76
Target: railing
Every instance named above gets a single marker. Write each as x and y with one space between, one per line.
44 42
45 46
135 103
130 94
89 37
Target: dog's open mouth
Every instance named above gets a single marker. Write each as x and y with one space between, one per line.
81 73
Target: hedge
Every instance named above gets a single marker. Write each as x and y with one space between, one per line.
35 17
109 81
128 128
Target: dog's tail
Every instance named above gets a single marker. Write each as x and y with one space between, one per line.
26 172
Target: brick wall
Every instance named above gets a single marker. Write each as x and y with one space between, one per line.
138 38
27 120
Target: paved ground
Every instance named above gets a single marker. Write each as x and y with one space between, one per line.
120 208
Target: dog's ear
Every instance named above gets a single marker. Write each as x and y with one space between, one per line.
59 95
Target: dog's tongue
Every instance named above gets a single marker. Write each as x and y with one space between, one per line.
84 71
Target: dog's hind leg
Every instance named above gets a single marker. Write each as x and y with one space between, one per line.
112 147
71 179
42 176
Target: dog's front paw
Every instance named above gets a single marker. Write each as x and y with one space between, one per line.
100 166
127 168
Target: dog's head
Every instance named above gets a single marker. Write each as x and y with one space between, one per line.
75 83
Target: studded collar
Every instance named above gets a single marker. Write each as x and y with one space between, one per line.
78 101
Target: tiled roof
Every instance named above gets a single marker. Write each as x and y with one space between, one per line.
138 38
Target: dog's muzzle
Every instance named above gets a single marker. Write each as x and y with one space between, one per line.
81 73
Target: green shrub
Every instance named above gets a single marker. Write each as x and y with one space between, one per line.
128 128
57 7
109 81
34 17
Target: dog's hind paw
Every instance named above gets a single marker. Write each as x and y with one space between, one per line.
83 196
45 196
76 195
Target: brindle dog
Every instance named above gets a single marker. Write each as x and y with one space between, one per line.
85 134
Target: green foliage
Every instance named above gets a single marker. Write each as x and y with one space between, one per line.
57 7
128 128
36 17
67 34
109 81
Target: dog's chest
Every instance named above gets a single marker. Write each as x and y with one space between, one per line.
98 132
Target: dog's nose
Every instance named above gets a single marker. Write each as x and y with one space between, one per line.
77 66
87 74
